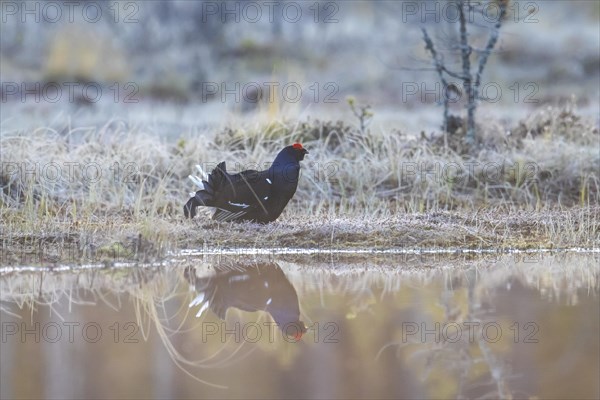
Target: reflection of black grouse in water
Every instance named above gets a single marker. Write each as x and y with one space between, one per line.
251 288
258 196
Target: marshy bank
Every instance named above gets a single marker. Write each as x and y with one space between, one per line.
56 242
118 190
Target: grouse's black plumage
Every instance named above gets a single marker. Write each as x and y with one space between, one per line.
258 196
255 287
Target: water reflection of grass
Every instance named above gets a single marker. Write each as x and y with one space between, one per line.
557 275
388 291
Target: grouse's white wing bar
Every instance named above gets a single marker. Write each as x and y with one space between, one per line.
243 205
243 277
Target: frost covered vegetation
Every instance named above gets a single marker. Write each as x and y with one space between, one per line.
108 175
125 187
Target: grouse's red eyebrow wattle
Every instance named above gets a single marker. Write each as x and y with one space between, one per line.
297 146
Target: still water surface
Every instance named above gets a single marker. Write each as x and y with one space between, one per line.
294 326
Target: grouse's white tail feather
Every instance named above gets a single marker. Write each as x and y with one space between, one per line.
203 174
202 309
199 299
197 181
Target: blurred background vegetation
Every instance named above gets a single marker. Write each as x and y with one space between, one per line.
371 50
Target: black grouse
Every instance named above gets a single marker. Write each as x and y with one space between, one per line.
250 287
257 196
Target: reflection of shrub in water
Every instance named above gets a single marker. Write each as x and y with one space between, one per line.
460 291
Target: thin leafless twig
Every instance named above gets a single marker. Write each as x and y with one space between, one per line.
439 66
